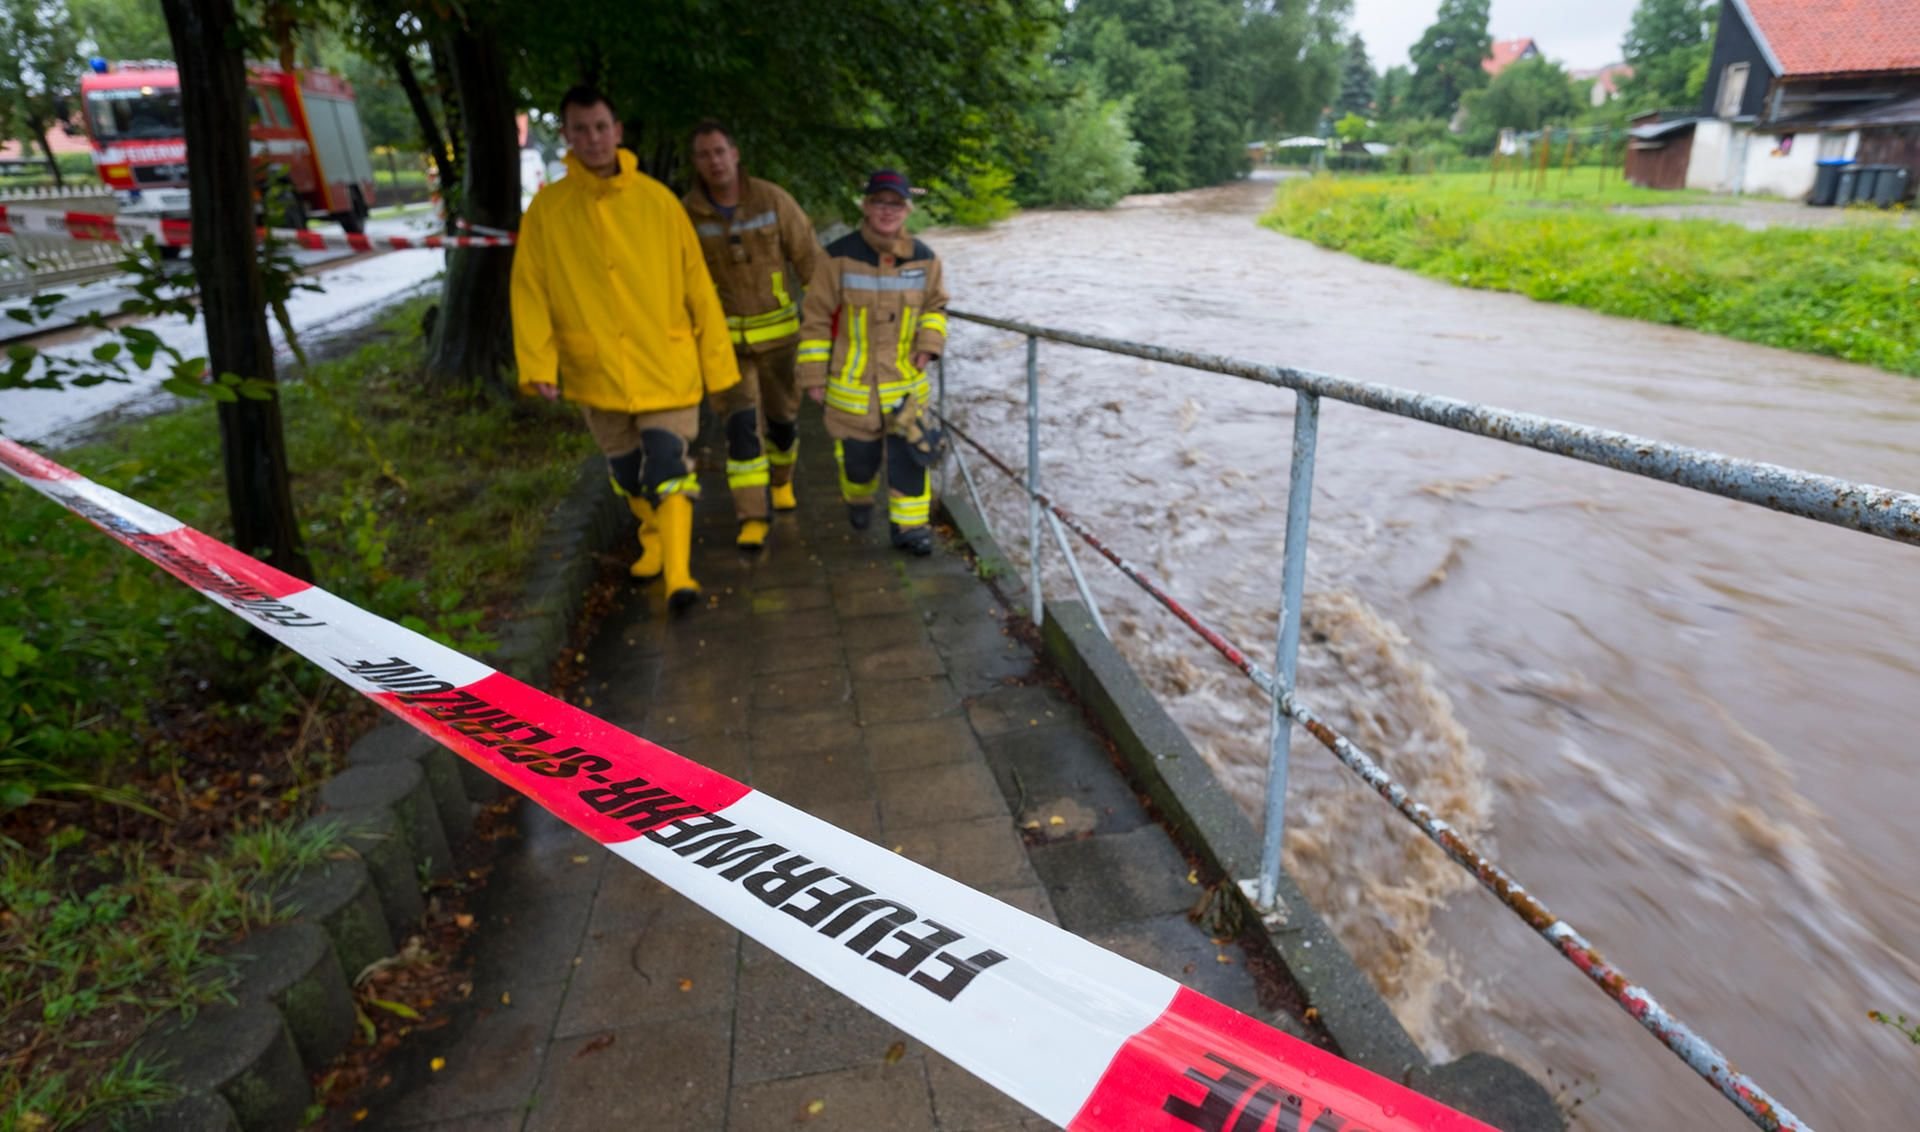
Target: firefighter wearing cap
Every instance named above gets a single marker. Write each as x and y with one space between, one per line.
873 321
760 250
613 310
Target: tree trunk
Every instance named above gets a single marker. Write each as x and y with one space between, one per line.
213 103
473 340
423 114
39 129
443 77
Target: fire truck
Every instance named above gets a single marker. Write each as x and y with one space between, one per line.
310 157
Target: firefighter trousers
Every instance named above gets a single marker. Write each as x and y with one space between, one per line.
763 432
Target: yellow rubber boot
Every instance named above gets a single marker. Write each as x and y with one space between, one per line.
783 499
753 534
675 519
648 564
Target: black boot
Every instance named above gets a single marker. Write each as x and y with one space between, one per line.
860 515
917 541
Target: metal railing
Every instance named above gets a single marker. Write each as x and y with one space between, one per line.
1872 510
30 263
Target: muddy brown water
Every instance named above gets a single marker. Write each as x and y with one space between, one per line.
1686 723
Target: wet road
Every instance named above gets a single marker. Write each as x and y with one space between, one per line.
1684 722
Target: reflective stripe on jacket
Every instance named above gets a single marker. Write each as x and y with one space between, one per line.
611 299
869 308
759 258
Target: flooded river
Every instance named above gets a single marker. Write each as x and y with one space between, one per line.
1686 723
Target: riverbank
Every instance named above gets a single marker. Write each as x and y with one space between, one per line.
1848 292
156 759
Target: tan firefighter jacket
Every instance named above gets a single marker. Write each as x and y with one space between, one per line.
868 310
759 259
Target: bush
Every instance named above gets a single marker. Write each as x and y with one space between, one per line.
979 194
1850 292
1094 160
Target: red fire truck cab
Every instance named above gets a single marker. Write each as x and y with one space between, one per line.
308 151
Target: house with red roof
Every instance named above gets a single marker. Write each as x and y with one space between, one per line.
1606 81
1506 52
1794 83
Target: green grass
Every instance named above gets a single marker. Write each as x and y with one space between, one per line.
1851 292
419 504
96 938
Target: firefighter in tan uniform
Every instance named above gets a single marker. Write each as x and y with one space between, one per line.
613 310
760 250
874 319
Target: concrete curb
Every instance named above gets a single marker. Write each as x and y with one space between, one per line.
1206 820
406 804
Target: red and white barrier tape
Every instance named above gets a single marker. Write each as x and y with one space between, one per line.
15 220
1085 1038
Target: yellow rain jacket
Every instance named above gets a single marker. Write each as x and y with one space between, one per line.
611 298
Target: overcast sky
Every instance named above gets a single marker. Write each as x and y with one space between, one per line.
1578 33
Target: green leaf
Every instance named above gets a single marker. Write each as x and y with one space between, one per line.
399 1009
106 351
22 314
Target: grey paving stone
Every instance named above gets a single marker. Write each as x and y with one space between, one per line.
801 691
899 701
965 1103
630 898
861 634
938 794
984 853
1109 880
896 662
641 1076
891 1097
810 625
495 1066
666 968
670 721
978 672
1017 709
531 940
1048 770
782 723
965 623
798 735
927 742
1182 950
506 1120
777 655
790 599
788 1023
807 781
867 602
724 752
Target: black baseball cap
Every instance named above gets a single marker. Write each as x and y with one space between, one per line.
888 181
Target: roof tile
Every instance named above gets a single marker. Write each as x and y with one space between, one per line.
1832 37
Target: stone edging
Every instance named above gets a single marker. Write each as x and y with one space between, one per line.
403 803
1205 819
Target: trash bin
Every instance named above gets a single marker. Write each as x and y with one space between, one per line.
1868 181
1826 182
1843 189
1890 187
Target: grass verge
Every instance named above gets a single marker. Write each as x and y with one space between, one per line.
154 752
1851 292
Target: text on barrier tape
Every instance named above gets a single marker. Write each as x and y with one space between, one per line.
1085 1038
18 221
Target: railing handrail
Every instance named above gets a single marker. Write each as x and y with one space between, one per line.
1867 508
1873 510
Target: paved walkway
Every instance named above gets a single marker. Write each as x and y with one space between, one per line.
875 691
